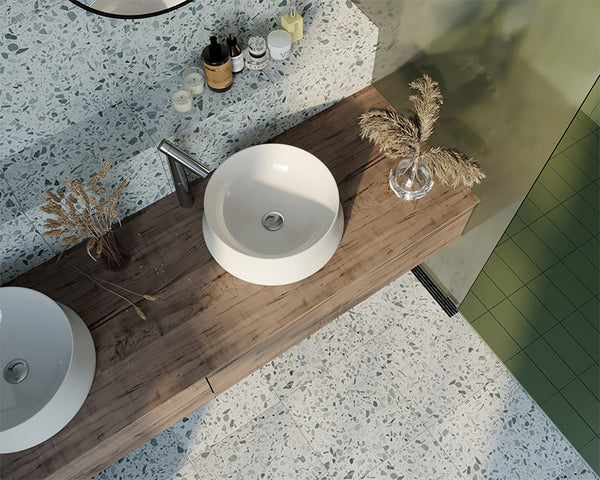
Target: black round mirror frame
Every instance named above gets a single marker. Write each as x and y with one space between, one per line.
141 15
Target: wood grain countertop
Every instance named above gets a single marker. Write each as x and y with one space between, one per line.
208 324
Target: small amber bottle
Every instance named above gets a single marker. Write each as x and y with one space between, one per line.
217 66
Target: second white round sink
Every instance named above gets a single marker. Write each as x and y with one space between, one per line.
272 214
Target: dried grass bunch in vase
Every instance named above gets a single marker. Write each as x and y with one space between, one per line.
80 213
403 137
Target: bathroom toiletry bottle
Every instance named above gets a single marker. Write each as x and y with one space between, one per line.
236 54
217 66
292 23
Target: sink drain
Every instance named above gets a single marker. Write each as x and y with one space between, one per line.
16 371
273 221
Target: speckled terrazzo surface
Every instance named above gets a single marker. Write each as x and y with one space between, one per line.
77 88
392 389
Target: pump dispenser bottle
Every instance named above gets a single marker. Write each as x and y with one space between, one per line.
292 23
217 66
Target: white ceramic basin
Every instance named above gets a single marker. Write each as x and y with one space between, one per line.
47 359
272 214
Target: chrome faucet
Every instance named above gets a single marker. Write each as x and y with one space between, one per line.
178 162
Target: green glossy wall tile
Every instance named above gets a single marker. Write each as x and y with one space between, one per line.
585 334
591 144
504 278
548 361
591 250
568 421
585 271
518 261
591 379
569 172
528 212
535 248
516 225
591 194
487 291
568 224
565 142
496 337
515 323
503 238
531 377
586 161
571 352
567 285
471 308
591 311
533 310
585 213
548 294
552 237
554 183
591 453
542 198
584 403
581 126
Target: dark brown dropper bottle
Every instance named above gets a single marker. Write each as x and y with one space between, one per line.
217 66
236 54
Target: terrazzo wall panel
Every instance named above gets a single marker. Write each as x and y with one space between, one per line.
78 88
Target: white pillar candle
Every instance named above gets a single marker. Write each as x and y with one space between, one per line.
193 78
181 97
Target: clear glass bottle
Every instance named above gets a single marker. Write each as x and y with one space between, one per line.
236 54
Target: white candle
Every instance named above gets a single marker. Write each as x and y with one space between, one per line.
182 98
193 78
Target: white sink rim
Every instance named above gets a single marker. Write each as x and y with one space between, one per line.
306 179
68 398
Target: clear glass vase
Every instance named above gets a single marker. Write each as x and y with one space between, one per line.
410 180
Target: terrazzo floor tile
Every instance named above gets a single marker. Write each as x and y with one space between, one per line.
501 433
222 416
352 417
387 307
161 458
421 459
435 362
269 447
308 359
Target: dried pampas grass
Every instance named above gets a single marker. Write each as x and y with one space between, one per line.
80 213
399 136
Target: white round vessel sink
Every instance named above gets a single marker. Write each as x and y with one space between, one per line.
47 359
272 214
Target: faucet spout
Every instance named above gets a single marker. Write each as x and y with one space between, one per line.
178 162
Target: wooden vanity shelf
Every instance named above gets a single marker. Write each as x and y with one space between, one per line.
207 323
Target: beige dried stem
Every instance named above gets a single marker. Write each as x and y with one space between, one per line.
103 284
400 136
80 214
452 167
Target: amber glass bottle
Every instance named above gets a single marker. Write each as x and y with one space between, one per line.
217 66
236 54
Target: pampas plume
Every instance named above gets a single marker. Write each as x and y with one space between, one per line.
400 136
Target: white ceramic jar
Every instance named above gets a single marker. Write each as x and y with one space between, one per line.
280 44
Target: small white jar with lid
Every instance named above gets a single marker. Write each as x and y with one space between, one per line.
280 44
